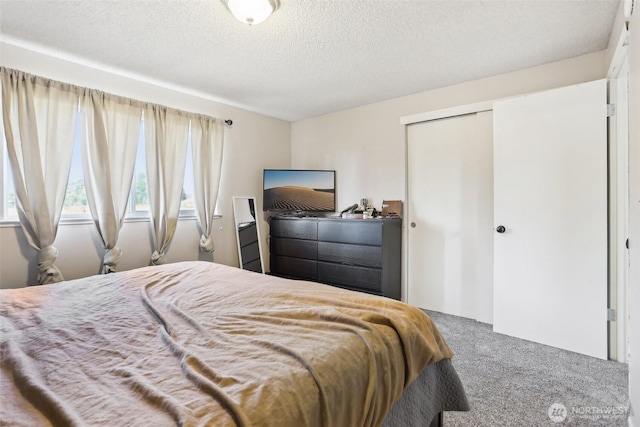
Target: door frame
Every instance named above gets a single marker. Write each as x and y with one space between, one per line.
618 198
405 121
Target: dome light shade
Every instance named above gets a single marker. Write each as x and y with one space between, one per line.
251 11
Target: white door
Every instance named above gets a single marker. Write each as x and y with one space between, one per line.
550 195
450 216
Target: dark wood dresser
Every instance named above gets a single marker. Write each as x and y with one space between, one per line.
358 254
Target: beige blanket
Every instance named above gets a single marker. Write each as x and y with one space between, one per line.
199 344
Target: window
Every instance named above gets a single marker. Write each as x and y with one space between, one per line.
188 200
75 203
75 200
7 193
139 199
9 196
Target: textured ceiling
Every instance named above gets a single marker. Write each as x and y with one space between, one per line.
311 57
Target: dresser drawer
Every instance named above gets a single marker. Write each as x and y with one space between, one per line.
294 248
363 255
358 232
294 228
294 267
369 279
367 256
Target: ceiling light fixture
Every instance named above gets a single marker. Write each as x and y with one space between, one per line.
251 11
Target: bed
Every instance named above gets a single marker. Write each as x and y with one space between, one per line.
199 343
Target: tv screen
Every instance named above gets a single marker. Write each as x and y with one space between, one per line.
290 190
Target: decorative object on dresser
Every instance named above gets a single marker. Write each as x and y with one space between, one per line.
363 255
392 208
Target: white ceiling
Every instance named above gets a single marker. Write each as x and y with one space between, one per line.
311 57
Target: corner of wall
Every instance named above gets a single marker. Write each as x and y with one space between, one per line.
619 25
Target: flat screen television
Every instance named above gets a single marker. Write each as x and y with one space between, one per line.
299 191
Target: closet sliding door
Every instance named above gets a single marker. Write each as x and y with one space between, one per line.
550 259
450 215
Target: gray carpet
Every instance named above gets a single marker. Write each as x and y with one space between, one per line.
512 382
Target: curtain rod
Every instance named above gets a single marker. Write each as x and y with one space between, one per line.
77 88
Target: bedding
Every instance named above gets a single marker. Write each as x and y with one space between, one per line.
199 343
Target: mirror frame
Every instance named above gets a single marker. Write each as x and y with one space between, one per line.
240 216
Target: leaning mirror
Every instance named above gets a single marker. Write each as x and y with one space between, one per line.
247 234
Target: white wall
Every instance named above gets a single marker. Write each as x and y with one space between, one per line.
366 145
633 292
253 143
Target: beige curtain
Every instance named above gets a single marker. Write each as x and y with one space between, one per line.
207 140
110 130
166 138
39 117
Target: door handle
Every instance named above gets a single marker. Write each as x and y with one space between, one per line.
500 229
413 224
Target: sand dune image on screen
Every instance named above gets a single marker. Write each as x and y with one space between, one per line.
298 199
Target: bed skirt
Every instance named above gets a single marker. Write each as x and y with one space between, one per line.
436 389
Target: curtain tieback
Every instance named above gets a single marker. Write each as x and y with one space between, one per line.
48 272
206 243
110 260
157 258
